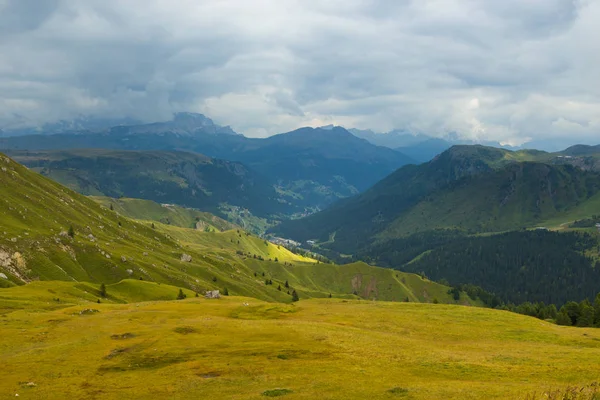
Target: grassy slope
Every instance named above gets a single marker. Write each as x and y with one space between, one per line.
331 349
498 202
173 215
582 211
34 210
309 278
54 295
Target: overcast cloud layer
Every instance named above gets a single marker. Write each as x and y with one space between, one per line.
510 70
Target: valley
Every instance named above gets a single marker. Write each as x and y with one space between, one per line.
308 168
432 267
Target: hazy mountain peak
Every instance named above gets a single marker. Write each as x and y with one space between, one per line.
327 127
182 123
189 117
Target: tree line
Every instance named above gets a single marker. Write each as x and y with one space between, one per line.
582 314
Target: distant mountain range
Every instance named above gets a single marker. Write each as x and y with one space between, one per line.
309 168
419 147
183 123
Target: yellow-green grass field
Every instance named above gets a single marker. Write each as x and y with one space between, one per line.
242 348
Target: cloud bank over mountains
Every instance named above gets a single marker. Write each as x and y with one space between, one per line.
510 71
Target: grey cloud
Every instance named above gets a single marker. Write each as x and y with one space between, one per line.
507 70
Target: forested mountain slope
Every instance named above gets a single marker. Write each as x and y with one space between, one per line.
470 188
182 178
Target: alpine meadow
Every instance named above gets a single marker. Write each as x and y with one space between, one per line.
301 200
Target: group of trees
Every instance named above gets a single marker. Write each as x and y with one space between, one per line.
584 313
475 293
587 222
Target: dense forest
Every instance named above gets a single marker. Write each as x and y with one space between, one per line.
519 266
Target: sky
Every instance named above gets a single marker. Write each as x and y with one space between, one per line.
512 71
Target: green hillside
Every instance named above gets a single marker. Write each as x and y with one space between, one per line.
471 188
56 295
242 348
515 196
35 219
166 213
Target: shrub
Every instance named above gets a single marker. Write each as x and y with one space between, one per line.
398 390
276 392
181 295
185 330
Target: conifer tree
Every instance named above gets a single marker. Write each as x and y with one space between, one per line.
562 318
295 296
